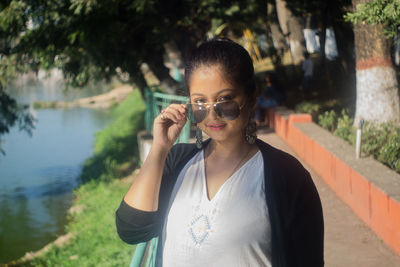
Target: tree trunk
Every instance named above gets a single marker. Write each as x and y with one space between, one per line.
296 40
292 28
276 32
282 14
156 64
276 40
377 88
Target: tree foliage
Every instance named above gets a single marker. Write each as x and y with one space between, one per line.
319 7
89 39
98 40
385 12
13 114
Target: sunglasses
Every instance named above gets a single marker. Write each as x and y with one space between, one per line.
228 110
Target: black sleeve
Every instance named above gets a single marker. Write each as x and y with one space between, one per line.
136 226
307 224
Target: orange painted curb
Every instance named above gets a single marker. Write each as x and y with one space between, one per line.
378 210
394 217
361 196
380 214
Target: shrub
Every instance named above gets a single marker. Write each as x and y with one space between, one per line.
309 108
375 137
44 104
390 152
37 105
345 129
327 120
382 141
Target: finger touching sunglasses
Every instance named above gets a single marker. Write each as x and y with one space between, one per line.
228 110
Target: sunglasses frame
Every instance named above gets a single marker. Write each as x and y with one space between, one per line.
208 106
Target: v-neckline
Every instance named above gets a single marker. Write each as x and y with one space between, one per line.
204 178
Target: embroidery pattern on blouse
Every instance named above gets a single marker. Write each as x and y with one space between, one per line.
200 227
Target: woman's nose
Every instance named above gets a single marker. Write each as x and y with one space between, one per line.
211 112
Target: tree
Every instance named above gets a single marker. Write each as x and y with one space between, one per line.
276 31
385 12
291 26
12 114
97 40
277 39
377 87
101 39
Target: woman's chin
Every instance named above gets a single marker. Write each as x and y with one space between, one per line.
221 136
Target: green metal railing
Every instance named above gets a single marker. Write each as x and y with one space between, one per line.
146 252
155 102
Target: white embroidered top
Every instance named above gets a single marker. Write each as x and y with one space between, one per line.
231 229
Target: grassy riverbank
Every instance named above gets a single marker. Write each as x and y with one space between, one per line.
116 151
95 241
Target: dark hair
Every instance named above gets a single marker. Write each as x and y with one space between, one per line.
234 60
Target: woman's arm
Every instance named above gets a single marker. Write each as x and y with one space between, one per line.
137 218
144 192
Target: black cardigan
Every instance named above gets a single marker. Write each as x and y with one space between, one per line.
294 207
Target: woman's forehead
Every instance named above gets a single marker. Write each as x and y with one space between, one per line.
209 79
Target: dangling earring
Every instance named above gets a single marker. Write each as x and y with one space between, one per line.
251 130
199 138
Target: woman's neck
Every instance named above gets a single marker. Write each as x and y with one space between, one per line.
228 149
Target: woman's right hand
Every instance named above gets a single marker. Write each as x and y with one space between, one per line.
144 192
168 125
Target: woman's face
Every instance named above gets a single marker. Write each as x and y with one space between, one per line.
209 85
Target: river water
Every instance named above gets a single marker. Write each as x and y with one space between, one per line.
38 173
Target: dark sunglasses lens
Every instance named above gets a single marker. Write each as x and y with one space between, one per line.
197 113
228 110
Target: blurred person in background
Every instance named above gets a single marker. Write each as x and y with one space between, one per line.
273 95
307 67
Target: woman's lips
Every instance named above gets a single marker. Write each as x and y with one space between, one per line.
216 126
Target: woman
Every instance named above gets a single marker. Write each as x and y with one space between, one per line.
231 200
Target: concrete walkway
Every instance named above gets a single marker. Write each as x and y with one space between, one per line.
348 240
